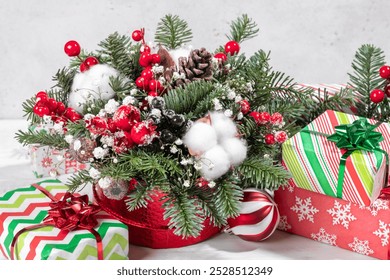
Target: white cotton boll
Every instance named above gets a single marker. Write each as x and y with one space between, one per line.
180 52
200 137
236 150
215 163
91 85
224 126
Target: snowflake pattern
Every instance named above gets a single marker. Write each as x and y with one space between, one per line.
361 247
341 214
46 162
283 224
304 209
383 232
378 205
287 187
324 237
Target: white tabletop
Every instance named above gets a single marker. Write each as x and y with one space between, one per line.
15 172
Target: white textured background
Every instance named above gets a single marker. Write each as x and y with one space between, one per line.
313 41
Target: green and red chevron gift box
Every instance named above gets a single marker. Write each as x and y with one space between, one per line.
351 164
25 208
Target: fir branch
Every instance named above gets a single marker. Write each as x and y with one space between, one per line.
206 202
172 32
64 79
258 173
139 197
184 100
78 129
227 197
117 52
42 138
121 87
79 180
243 28
28 107
185 218
366 63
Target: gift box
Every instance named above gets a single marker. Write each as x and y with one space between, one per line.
50 162
337 222
340 165
27 230
147 226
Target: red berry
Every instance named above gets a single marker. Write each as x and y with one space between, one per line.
137 35
126 116
269 139
232 47
111 126
88 63
41 111
75 117
142 83
147 73
154 85
142 133
60 108
72 48
145 59
156 59
83 67
276 118
91 61
281 136
133 184
41 96
52 104
152 93
384 72
245 106
145 48
221 56
377 95
69 112
387 90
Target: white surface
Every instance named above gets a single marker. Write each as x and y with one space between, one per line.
15 172
311 41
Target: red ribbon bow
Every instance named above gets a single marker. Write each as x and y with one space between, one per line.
70 213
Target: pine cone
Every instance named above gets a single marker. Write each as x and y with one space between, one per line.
198 66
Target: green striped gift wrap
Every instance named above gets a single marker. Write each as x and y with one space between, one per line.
314 161
28 206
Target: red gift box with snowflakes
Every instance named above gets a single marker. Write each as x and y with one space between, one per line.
334 221
49 162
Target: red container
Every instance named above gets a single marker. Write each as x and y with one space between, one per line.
146 225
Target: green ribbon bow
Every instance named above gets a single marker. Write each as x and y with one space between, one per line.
359 135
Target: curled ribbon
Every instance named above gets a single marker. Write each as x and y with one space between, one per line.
70 213
357 136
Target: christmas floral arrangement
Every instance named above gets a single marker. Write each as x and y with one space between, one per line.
196 126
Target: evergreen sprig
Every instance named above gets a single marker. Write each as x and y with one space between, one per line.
79 180
139 197
183 215
243 28
228 196
42 138
116 50
64 78
172 32
262 174
366 63
184 100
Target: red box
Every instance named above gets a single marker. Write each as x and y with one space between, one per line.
334 221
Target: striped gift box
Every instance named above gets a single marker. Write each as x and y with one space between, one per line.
28 206
314 161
